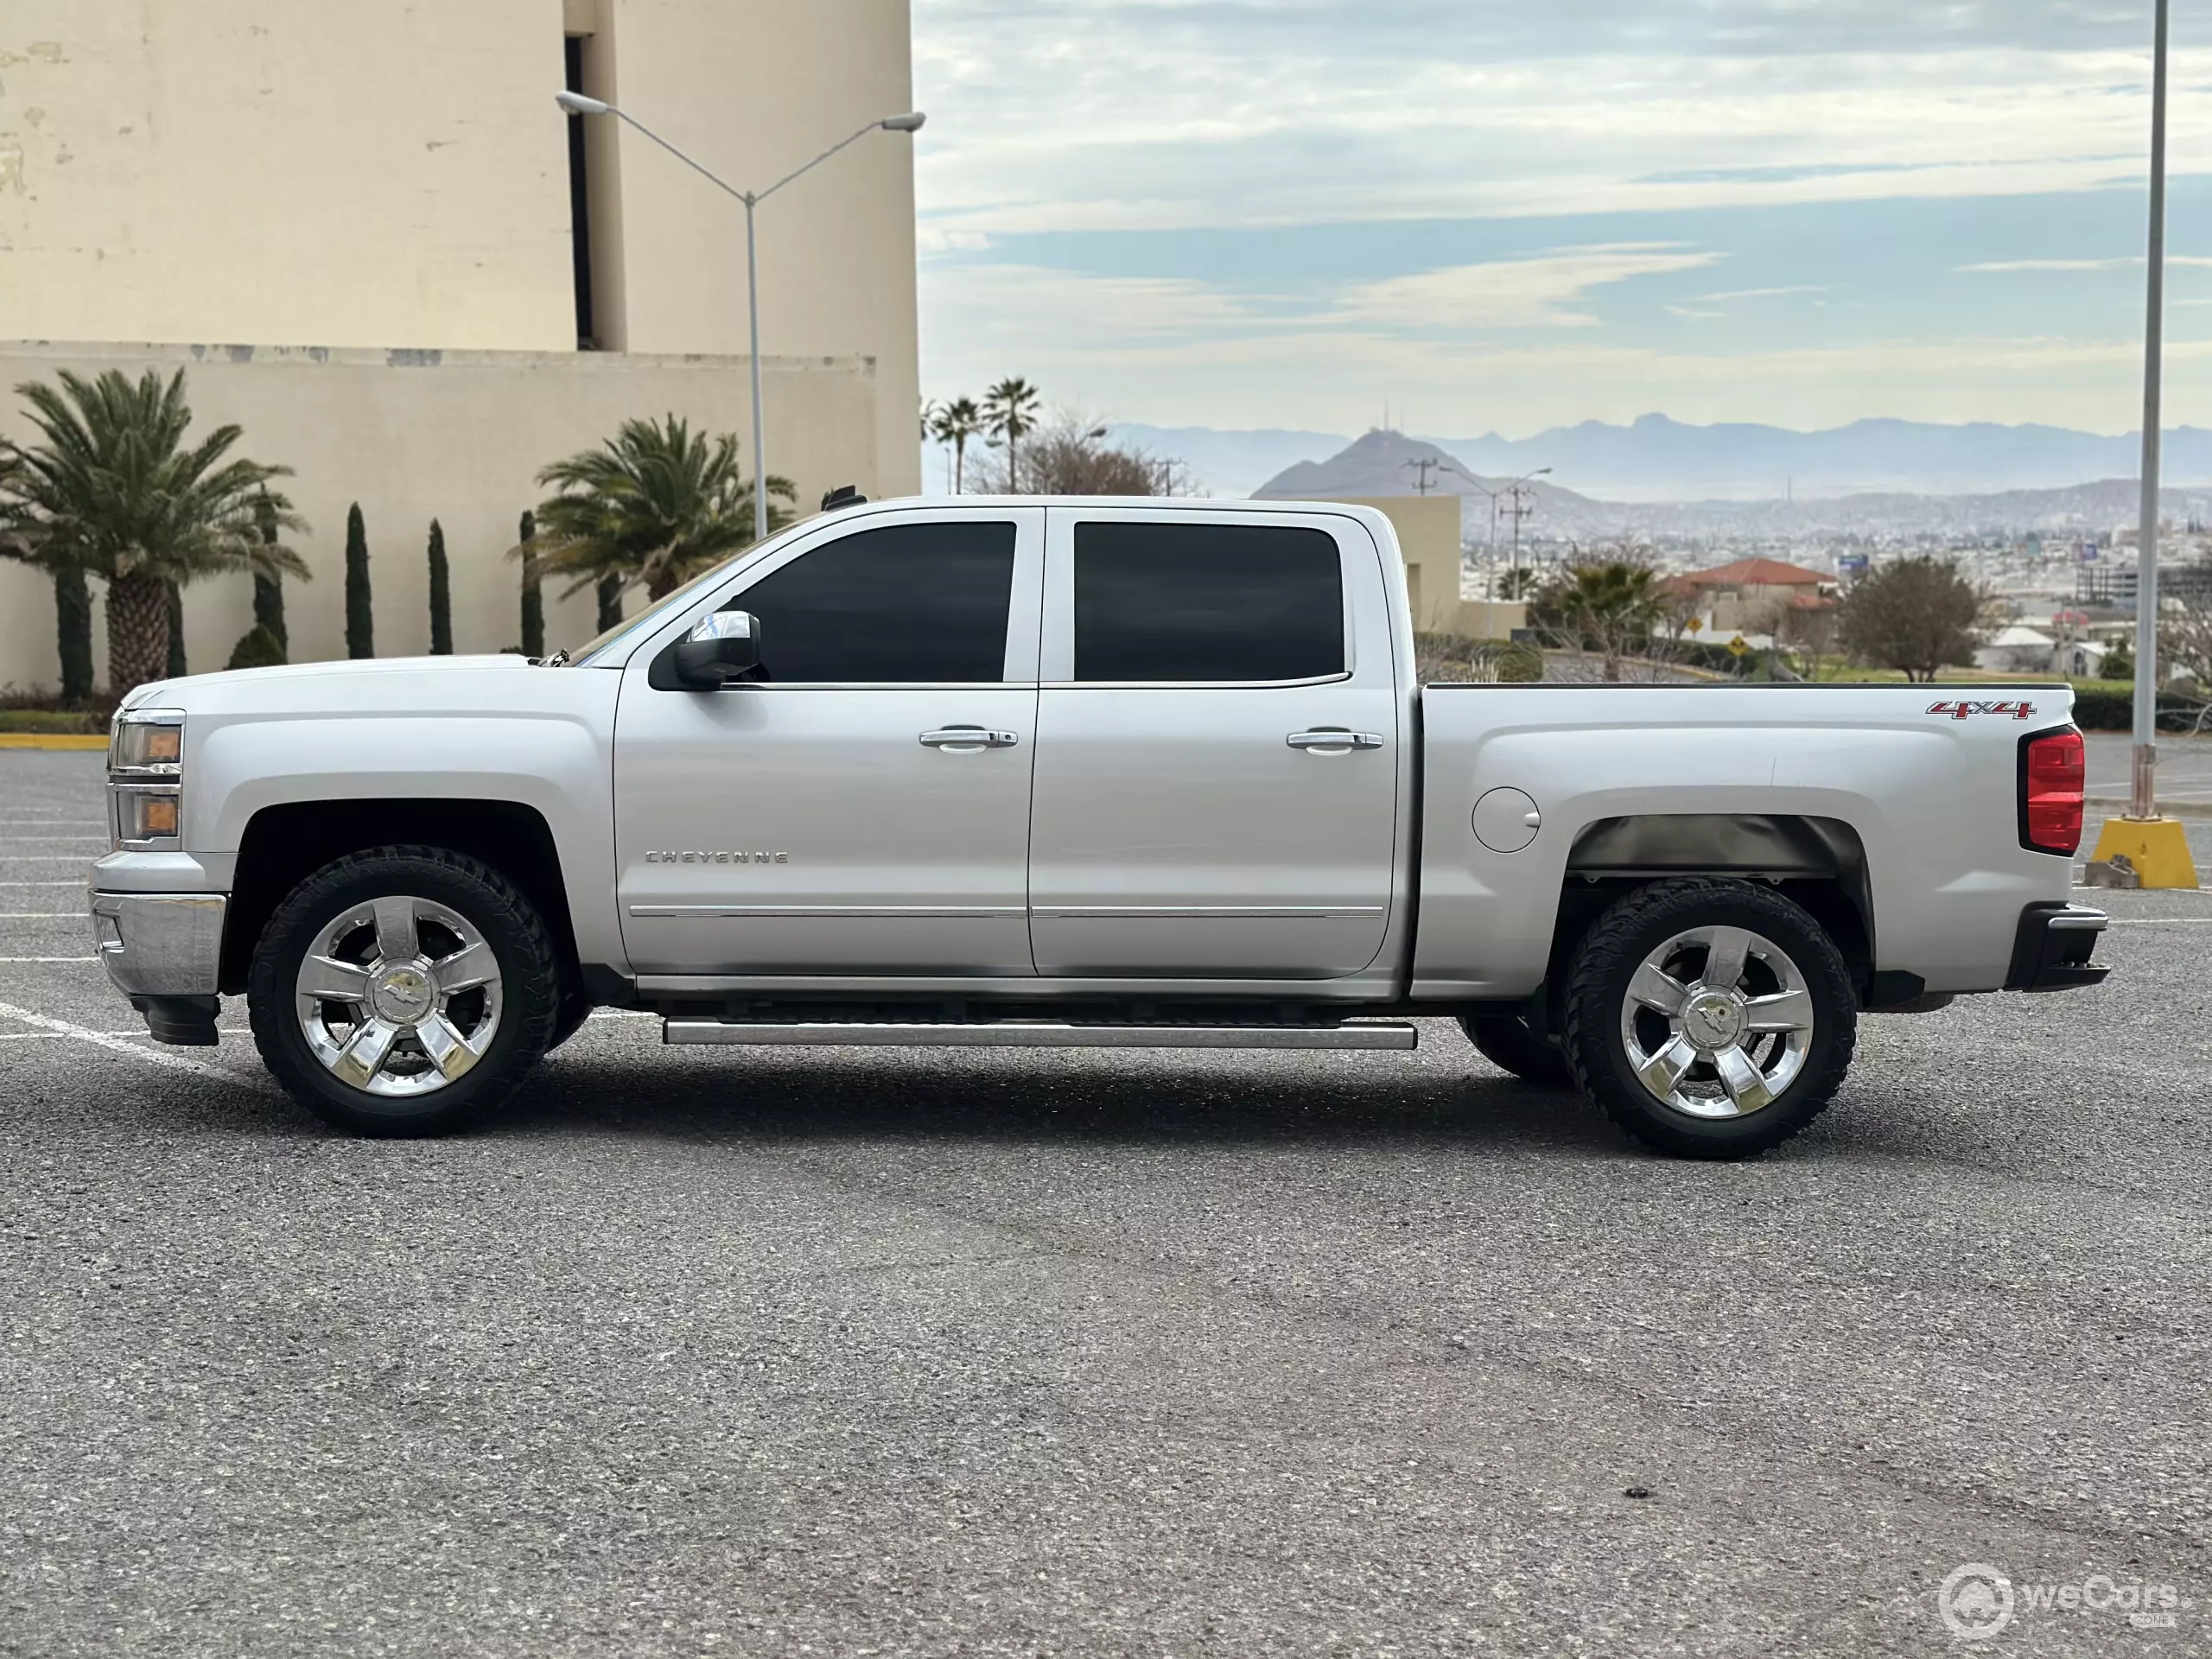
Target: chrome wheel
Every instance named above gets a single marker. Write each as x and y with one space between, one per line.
399 996
1717 1022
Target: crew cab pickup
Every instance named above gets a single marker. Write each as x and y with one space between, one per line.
1051 774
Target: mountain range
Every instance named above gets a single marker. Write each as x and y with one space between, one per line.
1390 463
1656 458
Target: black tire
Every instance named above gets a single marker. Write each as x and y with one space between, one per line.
530 981
576 1008
1645 921
1506 1042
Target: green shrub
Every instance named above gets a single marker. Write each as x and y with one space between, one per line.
51 722
1459 658
533 591
2097 708
72 615
1519 664
441 593
360 617
258 648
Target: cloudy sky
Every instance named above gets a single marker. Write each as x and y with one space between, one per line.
1508 214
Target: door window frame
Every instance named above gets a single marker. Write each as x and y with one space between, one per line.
1025 597
1359 575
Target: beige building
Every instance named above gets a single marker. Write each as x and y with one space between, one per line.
1428 536
378 244
1751 596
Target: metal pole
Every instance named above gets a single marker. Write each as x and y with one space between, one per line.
759 452
1516 542
2142 798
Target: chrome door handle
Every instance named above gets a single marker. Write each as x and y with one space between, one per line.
1334 742
969 738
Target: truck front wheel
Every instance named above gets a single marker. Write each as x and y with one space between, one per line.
404 991
1708 1017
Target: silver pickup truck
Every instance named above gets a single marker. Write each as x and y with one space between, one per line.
1050 773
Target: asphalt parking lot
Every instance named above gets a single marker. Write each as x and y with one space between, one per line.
2184 770
930 1351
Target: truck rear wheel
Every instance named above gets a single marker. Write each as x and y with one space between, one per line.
403 992
1506 1042
1708 1017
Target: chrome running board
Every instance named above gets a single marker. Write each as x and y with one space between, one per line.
1033 1034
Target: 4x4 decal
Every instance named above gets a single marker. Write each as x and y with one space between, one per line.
1962 710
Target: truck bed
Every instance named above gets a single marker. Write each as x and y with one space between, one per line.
1905 796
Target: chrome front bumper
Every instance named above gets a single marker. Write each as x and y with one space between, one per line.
160 944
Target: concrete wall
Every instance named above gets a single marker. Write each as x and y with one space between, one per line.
313 172
382 174
755 88
457 437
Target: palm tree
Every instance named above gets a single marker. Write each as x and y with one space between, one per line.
114 491
655 505
956 424
1010 415
1613 606
73 600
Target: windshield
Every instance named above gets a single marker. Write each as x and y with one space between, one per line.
653 615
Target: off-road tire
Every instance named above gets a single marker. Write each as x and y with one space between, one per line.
1506 1042
1607 961
529 974
576 1008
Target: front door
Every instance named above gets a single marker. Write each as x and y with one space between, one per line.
1216 748
864 809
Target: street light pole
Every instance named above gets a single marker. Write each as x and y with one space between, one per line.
577 104
752 310
2143 796
1515 489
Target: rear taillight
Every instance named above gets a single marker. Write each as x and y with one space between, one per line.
2054 769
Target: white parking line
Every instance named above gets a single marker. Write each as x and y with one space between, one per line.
123 1045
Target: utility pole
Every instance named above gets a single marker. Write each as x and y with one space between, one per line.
1519 510
2157 848
1520 493
1423 471
1523 493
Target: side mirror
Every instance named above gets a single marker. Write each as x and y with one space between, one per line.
722 647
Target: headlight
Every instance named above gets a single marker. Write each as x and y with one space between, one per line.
145 769
147 740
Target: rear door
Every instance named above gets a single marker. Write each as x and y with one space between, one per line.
1217 765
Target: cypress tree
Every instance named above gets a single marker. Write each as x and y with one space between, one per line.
610 602
269 591
177 671
72 617
441 595
533 592
360 622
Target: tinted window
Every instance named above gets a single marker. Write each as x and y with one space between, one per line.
911 603
1207 603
